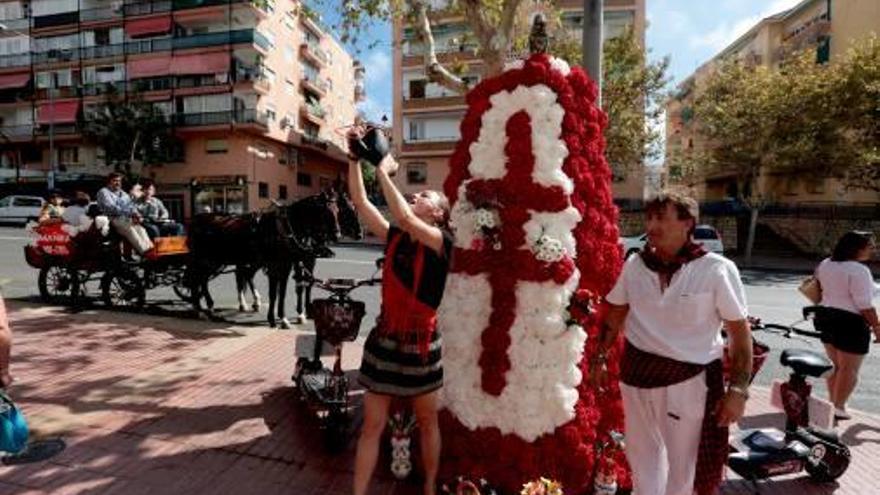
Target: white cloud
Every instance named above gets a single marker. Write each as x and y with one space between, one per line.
727 32
373 110
378 65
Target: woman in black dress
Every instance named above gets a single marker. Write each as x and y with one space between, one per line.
402 354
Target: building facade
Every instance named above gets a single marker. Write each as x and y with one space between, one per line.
427 115
829 27
253 91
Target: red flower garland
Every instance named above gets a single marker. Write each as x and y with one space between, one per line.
568 454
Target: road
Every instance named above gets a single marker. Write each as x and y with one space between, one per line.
772 297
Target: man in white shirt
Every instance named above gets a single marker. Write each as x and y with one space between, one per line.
117 205
671 301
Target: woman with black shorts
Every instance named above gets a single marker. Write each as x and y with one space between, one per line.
847 318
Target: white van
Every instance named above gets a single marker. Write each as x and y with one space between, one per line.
20 209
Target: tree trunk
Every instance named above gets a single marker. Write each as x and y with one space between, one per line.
433 69
753 226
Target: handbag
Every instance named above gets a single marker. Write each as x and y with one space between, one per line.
13 427
811 289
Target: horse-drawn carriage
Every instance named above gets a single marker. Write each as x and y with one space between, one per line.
70 257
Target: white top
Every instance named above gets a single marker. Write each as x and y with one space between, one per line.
846 285
74 214
683 322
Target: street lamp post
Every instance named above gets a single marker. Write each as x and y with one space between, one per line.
50 179
592 43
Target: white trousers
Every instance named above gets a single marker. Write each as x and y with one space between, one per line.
663 428
136 235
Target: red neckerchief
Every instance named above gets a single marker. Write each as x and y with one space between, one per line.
666 269
402 312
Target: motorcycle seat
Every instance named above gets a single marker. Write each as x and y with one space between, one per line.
805 362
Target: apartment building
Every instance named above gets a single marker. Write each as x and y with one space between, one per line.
427 115
828 27
253 89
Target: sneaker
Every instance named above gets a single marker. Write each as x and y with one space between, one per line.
840 414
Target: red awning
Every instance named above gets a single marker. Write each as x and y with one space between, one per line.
149 67
147 27
209 63
8 81
59 112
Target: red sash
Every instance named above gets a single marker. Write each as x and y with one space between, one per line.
402 312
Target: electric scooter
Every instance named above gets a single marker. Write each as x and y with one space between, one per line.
763 453
325 390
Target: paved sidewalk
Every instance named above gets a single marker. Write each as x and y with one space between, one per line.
153 405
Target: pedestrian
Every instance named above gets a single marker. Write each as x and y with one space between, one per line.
53 208
402 353
76 214
847 317
671 302
5 346
156 218
124 217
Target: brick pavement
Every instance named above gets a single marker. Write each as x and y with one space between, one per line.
152 405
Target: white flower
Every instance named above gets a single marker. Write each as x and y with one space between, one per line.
548 249
484 218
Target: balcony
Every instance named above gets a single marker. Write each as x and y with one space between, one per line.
310 21
439 143
220 38
445 54
148 46
51 56
194 4
101 13
314 84
98 89
153 84
91 52
144 8
416 104
17 60
16 132
244 116
60 92
45 21
314 141
313 53
313 112
22 24
58 130
251 116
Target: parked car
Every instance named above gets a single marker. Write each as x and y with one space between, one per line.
20 209
705 235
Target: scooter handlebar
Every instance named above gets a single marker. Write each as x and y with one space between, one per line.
785 330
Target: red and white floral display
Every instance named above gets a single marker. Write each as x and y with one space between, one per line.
534 222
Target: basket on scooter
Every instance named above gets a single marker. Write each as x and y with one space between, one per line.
337 321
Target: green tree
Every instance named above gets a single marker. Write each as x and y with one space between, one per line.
860 100
129 131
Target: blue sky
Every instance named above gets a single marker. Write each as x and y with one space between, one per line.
688 31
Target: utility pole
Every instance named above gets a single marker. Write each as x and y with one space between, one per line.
592 42
50 179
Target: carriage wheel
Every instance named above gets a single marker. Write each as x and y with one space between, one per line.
55 284
182 291
123 288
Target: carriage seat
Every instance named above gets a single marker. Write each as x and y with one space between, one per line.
806 362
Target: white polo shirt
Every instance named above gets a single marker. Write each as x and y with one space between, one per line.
683 322
846 285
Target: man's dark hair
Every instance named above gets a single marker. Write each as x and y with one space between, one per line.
685 206
146 183
113 175
849 245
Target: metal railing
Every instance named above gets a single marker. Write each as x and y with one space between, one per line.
16 60
314 141
312 49
16 131
20 24
245 116
153 84
148 46
100 13
213 39
90 52
103 88
141 8
315 110
60 19
56 55
315 81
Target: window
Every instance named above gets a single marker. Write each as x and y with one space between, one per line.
269 74
303 179
213 146
416 173
28 202
68 155
5 202
416 130
263 189
816 186
324 182
289 87
417 88
289 54
282 191
289 157
271 114
823 50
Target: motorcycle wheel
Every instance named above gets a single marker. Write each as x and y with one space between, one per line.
336 430
832 464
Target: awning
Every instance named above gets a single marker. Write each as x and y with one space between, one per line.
8 81
210 63
149 67
59 112
147 27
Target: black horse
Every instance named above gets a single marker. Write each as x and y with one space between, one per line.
304 268
291 235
